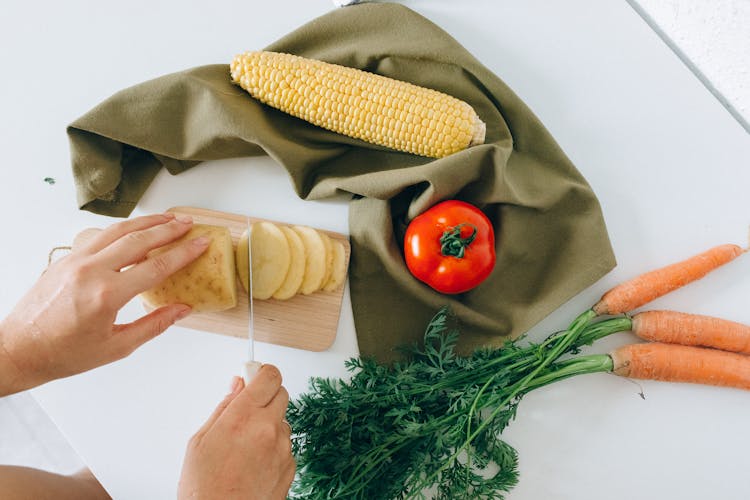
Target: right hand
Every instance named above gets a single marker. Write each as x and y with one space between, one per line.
244 450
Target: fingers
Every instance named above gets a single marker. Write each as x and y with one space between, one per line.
236 388
117 231
279 404
135 245
156 269
261 390
130 336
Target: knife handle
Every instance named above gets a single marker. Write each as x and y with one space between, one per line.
249 370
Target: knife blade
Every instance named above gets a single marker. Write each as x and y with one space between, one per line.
251 365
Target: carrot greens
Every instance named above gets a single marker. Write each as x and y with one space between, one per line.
433 421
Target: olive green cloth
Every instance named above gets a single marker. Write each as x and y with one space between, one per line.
551 237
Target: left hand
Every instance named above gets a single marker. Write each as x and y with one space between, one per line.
66 323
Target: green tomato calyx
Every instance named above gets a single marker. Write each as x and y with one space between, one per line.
453 244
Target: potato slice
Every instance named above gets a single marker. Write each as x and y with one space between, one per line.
329 258
241 260
338 274
296 274
207 284
271 258
315 259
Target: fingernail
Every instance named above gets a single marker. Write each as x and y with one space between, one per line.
201 241
184 312
185 219
235 385
168 215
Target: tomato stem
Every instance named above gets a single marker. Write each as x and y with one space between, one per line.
452 243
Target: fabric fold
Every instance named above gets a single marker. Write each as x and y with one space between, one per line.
551 237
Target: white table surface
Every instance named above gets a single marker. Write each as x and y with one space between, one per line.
669 164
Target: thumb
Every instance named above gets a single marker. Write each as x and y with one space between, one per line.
135 334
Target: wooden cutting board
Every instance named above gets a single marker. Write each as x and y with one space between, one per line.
305 321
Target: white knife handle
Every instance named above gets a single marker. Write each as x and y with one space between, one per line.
249 370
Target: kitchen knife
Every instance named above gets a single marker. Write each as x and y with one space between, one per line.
251 366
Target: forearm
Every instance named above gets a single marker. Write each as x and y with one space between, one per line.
20 483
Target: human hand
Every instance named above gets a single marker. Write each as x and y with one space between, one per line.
66 323
244 450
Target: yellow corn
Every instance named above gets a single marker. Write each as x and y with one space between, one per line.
359 104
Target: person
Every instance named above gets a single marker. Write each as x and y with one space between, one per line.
66 324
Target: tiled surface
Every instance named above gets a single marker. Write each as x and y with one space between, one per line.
712 37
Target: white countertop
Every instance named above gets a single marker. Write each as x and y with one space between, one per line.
668 163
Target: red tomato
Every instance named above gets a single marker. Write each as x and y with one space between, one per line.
451 247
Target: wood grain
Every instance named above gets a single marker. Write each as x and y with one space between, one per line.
305 321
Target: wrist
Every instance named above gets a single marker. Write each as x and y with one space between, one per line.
11 376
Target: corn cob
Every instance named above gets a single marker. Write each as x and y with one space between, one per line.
374 108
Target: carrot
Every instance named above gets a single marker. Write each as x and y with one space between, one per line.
692 329
679 363
647 287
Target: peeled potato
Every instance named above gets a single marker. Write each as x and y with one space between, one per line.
338 273
296 273
206 284
271 259
315 259
241 260
329 257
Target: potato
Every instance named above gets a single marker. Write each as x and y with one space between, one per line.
207 284
241 260
315 259
271 259
329 257
338 274
296 273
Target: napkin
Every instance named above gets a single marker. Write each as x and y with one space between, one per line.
551 237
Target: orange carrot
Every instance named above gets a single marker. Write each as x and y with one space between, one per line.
647 287
692 329
679 363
